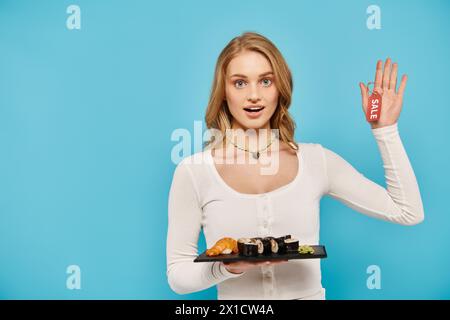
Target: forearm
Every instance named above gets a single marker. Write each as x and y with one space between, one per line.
187 276
400 202
406 205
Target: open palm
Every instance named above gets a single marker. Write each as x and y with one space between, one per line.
392 99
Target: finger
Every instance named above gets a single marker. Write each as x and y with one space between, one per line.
379 74
386 74
258 263
276 261
279 261
269 262
401 88
364 95
393 81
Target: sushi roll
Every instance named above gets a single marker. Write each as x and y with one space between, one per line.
273 245
249 249
259 243
291 245
267 245
241 242
281 245
288 236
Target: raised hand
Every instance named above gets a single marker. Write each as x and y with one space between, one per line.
385 85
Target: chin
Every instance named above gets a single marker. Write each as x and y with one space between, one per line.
255 124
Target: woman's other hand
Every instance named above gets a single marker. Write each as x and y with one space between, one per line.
242 266
385 85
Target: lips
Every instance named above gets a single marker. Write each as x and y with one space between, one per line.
253 108
254 111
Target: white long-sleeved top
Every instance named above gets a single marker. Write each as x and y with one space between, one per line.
200 198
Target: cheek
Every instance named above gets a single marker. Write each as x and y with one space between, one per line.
272 97
234 98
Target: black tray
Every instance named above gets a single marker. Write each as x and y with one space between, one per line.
319 253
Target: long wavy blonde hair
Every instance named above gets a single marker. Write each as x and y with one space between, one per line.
218 115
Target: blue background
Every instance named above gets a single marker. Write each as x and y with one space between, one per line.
86 118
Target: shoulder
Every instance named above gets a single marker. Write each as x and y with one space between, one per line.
319 153
193 165
198 158
315 153
310 148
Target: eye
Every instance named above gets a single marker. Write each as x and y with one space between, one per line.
238 83
267 82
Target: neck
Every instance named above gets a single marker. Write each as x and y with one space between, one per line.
252 139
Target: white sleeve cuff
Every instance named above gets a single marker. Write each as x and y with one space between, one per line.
386 131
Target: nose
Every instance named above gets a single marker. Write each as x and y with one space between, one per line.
253 94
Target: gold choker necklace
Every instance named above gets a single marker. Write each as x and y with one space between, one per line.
255 154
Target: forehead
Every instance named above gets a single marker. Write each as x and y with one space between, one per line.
249 63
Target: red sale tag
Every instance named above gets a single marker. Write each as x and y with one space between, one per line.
373 107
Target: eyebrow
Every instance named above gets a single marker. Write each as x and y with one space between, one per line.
244 76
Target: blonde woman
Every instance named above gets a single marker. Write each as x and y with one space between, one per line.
251 92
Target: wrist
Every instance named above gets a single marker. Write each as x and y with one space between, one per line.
382 125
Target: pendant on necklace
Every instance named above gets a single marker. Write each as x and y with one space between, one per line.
255 154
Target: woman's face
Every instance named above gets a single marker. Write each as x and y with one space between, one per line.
249 84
